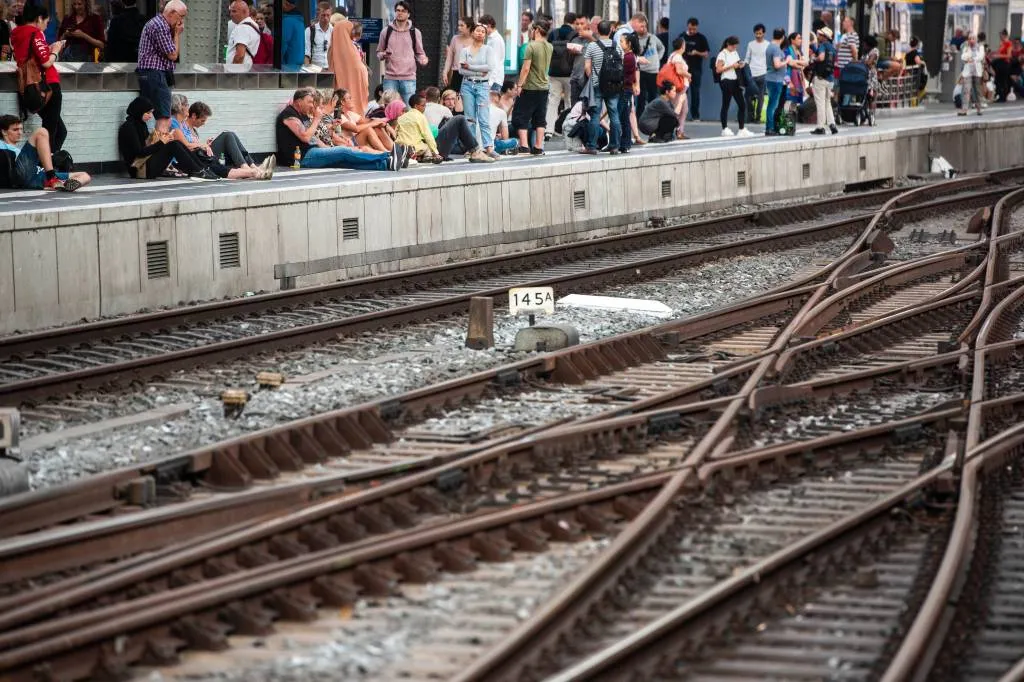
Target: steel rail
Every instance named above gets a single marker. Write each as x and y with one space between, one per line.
517 651
75 644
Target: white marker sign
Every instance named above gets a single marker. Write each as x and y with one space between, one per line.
531 300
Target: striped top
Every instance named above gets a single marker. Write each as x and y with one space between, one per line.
845 46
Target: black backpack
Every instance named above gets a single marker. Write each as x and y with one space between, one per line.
613 73
561 59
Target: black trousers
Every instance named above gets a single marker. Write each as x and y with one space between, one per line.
455 129
731 92
1002 73
228 144
183 159
696 74
648 91
50 115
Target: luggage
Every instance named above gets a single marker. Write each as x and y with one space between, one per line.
785 122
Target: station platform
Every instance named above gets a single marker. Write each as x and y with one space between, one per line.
120 246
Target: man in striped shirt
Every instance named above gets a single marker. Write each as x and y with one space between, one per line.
847 47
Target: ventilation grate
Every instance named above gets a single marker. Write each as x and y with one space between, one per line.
741 179
230 253
807 171
579 200
349 229
666 189
158 260
863 163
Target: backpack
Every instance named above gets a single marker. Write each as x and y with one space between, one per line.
826 67
33 91
561 59
417 39
715 76
609 80
265 55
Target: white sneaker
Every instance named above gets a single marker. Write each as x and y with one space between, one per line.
744 133
726 132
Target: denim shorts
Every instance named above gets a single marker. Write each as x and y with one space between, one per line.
153 86
27 172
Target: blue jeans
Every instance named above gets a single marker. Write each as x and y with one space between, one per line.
476 104
595 120
404 88
775 91
626 134
153 86
28 174
345 157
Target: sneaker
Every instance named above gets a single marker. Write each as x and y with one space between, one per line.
410 163
480 156
407 153
205 175
727 132
834 129
818 131
69 185
53 183
523 150
395 158
269 163
588 151
536 151
613 152
494 155
744 133
267 173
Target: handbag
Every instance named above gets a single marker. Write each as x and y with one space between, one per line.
33 91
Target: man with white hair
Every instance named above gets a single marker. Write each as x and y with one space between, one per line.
159 48
244 41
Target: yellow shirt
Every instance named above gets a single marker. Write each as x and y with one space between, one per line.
414 130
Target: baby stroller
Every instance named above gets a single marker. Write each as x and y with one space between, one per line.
853 93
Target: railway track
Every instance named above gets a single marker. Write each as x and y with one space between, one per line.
715 422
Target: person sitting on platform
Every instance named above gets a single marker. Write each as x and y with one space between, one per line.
296 130
238 165
415 131
31 166
150 156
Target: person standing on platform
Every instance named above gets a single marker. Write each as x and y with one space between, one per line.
584 36
663 37
29 42
159 49
496 46
318 36
531 106
244 41
124 34
755 59
1000 61
728 64
475 63
604 68
349 70
401 49
82 30
563 58
973 58
847 47
823 61
775 79
450 76
649 57
293 36
697 49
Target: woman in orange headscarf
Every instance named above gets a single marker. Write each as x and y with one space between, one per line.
349 70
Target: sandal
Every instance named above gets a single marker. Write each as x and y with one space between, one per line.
172 172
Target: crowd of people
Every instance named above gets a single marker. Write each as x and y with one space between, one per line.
603 85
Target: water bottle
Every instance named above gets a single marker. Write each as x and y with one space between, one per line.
221 159
298 158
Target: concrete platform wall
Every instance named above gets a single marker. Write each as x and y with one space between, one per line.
58 267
